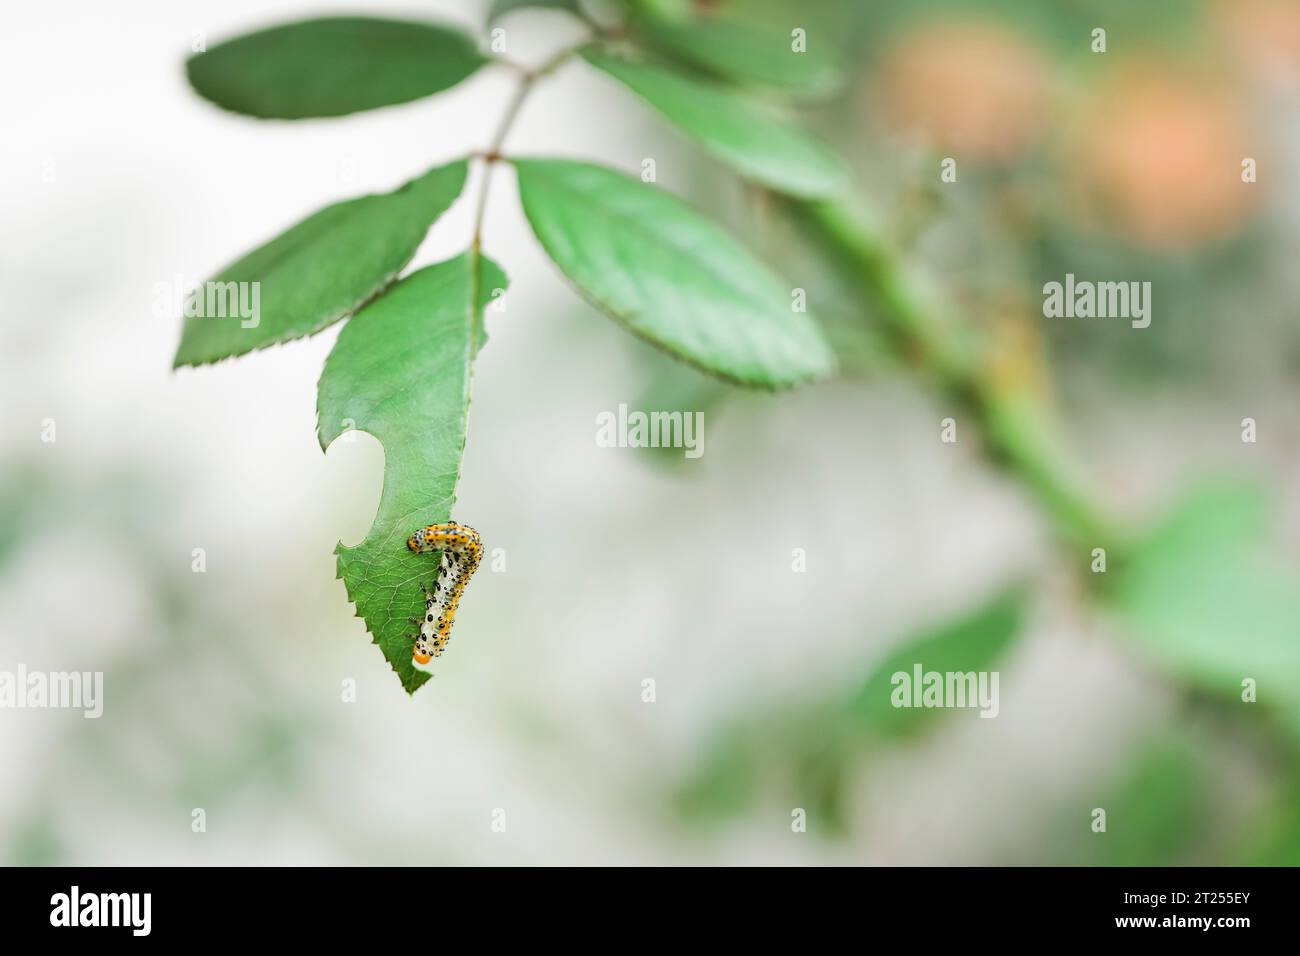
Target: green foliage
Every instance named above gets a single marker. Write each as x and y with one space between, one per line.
401 372
1276 837
1156 808
500 8
332 66
1068 27
325 267
744 135
648 260
1203 597
972 642
810 751
726 781
748 54
675 386
643 256
1200 596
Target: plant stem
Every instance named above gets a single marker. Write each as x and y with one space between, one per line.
493 152
527 80
1018 424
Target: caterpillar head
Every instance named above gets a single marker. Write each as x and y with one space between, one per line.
422 653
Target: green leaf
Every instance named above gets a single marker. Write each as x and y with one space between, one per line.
745 136
746 53
332 66
811 748
973 642
322 269
1158 809
726 780
401 372
677 387
648 260
1203 596
1274 836
501 7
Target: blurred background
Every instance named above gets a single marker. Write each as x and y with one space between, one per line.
226 690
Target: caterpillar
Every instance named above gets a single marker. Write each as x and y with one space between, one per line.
462 549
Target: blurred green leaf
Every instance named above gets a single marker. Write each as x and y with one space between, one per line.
812 748
745 136
500 8
822 783
972 643
1155 812
861 350
401 371
650 261
670 10
324 268
676 387
1067 27
1202 596
749 54
1275 840
332 66
35 842
725 781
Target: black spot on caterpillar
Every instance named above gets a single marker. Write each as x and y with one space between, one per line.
462 549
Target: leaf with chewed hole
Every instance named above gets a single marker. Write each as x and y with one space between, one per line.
322 269
400 371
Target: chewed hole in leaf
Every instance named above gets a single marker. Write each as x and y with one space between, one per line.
354 480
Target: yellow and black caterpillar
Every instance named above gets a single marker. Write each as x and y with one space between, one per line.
462 549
